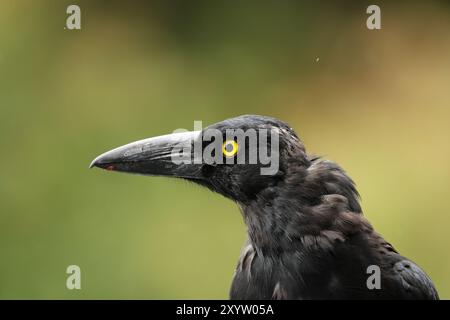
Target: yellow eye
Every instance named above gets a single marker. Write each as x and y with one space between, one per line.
230 148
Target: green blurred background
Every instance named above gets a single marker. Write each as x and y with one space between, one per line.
377 102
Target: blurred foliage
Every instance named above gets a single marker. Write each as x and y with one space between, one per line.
377 102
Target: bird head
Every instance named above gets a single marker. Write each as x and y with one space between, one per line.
237 157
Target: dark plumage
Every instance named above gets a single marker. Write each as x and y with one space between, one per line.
307 237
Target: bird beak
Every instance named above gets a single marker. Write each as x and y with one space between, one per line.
168 155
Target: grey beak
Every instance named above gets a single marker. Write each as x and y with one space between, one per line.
167 155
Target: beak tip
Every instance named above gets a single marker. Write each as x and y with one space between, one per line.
93 164
100 162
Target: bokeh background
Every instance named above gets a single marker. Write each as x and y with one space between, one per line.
377 102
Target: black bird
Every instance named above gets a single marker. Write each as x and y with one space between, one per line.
307 236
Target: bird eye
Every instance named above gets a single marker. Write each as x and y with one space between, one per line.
230 148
